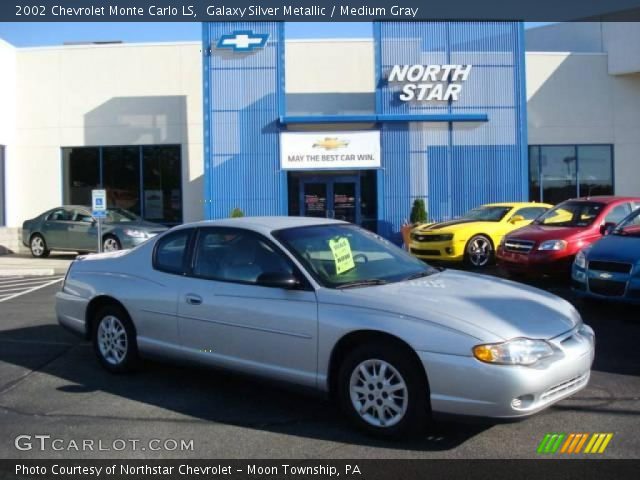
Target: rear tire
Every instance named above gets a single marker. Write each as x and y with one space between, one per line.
38 246
114 339
383 392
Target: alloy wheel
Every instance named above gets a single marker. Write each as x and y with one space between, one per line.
37 246
112 340
378 393
479 251
110 244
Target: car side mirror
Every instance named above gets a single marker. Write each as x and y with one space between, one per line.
607 228
278 280
517 219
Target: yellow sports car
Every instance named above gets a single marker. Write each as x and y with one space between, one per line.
473 237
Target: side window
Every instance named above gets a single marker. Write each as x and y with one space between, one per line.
234 255
530 213
82 216
171 251
60 215
618 213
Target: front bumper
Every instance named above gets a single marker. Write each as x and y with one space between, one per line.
535 262
603 285
465 386
444 251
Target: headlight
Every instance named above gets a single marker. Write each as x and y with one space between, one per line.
553 245
519 351
135 233
581 259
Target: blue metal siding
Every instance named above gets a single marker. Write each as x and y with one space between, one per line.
454 165
243 100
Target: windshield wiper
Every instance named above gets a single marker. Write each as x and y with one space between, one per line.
415 276
363 283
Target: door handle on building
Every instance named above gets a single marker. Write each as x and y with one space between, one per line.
193 299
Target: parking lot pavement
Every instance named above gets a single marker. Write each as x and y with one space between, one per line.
51 384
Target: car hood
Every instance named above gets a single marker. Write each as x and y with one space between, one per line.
484 307
616 248
545 232
450 226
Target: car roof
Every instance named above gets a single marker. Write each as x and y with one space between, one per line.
517 204
265 224
607 199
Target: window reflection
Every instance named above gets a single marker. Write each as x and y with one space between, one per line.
81 173
145 180
560 172
121 177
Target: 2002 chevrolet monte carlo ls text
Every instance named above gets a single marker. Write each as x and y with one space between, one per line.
326 304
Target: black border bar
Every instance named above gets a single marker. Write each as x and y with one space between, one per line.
318 10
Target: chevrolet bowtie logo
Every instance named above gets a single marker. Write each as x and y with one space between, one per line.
606 276
331 143
243 40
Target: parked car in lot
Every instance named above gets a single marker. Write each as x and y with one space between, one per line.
473 237
610 268
73 228
549 245
328 305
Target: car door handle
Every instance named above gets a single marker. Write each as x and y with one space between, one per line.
193 299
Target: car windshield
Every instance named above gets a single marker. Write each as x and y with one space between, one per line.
630 226
120 215
342 256
571 214
487 214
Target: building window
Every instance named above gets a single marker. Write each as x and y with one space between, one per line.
560 172
145 180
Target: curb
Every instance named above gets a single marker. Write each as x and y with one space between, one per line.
31 272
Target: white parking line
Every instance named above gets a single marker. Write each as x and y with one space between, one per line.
11 278
32 289
24 282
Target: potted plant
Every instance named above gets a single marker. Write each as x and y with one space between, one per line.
418 215
237 213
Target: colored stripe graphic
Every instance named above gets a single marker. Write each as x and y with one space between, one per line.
573 443
551 442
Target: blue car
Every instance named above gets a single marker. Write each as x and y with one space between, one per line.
610 268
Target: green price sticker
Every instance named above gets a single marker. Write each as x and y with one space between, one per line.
342 256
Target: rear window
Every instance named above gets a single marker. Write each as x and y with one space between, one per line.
171 251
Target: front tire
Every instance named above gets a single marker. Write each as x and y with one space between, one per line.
479 252
383 392
111 244
114 339
38 246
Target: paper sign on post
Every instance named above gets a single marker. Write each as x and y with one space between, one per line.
342 256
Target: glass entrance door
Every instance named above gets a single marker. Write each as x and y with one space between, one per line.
331 197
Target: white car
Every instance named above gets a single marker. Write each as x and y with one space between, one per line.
329 305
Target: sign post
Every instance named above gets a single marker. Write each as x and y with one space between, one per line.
99 211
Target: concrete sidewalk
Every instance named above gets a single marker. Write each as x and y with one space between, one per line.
17 264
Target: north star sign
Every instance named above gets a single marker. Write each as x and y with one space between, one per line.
429 82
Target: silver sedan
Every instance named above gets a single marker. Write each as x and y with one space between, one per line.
329 305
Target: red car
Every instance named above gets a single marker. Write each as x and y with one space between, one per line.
549 244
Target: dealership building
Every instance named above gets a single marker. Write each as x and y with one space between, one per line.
455 113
